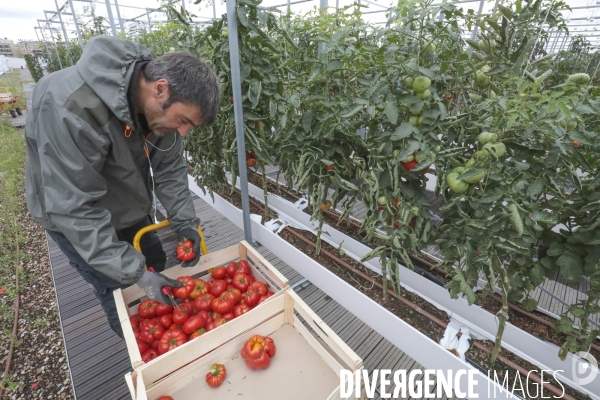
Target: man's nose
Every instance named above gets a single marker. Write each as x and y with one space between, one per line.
184 129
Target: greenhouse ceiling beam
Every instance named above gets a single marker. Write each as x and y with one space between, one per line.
285 4
53 41
76 25
101 2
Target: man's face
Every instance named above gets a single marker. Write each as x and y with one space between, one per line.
177 117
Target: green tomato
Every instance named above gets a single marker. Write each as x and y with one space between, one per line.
480 154
337 74
483 46
475 98
396 153
414 60
420 120
575 82
382 200
563 124
437 149
225 32
572 124
420 157
485 68
476 178
498 148
414 120
424 95
470 162
455 184
408 82
429 48
482 80
418 109
487 137
408 159
421 84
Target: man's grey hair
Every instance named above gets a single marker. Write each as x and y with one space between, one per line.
191 81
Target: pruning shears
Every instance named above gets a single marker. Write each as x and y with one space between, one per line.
167 291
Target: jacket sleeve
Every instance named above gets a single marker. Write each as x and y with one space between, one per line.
172 188
72 155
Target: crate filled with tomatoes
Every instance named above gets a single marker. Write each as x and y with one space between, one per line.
221 287
280 350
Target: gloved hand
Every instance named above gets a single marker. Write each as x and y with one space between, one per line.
191 234
153 282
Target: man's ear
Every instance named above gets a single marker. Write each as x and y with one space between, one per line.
161 89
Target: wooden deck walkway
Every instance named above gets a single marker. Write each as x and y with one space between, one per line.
98 359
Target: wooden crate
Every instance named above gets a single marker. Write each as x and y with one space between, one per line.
306 366
127 300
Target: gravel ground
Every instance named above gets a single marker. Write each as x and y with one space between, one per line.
39 365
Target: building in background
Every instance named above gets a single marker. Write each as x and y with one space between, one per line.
29 47
6 47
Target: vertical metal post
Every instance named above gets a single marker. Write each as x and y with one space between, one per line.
441 17
558 34
214 10
55 48
337 4
76 25
119 17
595 71
45 43
563 43
64 31
238 112
476 29
323 8
148 17
110 18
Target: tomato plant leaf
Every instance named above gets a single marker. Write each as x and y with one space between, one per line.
498 69
529 304
334 65
571 268
403 131
410 148
391 112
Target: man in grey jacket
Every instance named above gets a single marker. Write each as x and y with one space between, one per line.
103 138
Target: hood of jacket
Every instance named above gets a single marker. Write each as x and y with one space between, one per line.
107 65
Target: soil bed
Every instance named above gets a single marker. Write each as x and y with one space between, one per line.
415 319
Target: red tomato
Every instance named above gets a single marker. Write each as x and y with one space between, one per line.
163 309
270 346
187 306
251 298
149 354
171 339
203 314
229 316
154 344
213 316
233 294
219 322
200 288
142 346
184 250
261 299
232 269
193 323
197 333
151 332
179 317
136 331
166 321
135 320
240 282
222 304
188 286
261 362
409 165
240 309
147 309
145 322
258 287
251 279
210 325
219 272
250 162
165 398
218 287
228 280
216 375
253 348
203 302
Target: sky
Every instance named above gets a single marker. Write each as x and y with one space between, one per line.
18 17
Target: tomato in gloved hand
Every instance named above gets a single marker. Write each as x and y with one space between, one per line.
188 286
216 375
184 250
171 339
